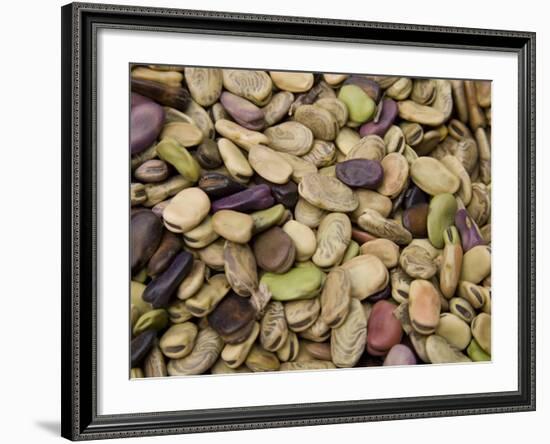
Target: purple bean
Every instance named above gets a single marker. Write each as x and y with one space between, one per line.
244 112
140 346
160 290
254 198
286 194
469 232
146 120
145 235
387 117
360 173
400 354
138 99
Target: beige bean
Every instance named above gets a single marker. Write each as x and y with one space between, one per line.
193 281
386 250
314 364
170 78
479 207
234 160
208 346
425 115
208 296
370 147
321 122
137 194
433 177
157 192
186 210
303 238
476 295
205 84
322 154
401 89
333 238
334 79
348 341
277 108
234 355
379 226
336 297
395 140
301 314
185 134
439 351
346 139
443 101
178 312
483 92
178 341
476 115
458 130
336 107
319 331
484 147
308 214
300 167
290 349
400 284
292 81
413 133
368 275
274 329
369 199
260 360
154 365
252 85
240 135
233 226
318 350
269 164
456 167
454 330
424 306
459 97
396 173
481 331
476 264
240 268
451 262
201 119
221 368
290 137
462 308
202 235
327 193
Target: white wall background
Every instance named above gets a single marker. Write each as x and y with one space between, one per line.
30 220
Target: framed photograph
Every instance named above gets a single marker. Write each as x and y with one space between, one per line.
275 221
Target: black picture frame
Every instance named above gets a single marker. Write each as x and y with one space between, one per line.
80 22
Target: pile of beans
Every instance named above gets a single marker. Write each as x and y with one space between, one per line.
293 221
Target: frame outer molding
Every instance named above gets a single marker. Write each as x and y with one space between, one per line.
78 410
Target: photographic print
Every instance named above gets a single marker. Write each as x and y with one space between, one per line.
290 221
